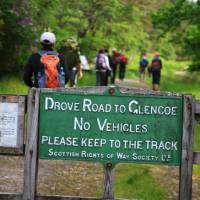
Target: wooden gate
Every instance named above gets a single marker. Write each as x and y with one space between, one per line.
191 108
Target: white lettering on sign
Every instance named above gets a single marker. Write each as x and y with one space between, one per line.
168 145
135 108
85 154
91 142
50 104
81 125
132 144
66 141
89 106
141 157
122 156
51 153
105 125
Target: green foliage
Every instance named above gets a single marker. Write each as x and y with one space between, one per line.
138 183
15 33
166 48
12 85
96 24
88 79
192 45
182 18
177 78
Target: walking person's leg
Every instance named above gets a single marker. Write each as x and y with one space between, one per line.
114 68
122 71
104 76
73 77
142 74
98 78
156 79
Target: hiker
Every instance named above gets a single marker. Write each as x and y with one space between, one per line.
142 67
70 50
38 73
102 67
115 59
155 69
122 66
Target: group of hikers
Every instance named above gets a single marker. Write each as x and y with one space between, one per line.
154 69
48 68
106 66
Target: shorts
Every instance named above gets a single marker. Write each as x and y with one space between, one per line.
156 77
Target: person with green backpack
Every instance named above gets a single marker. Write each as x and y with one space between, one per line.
70 50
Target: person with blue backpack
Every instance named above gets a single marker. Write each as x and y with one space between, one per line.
142 66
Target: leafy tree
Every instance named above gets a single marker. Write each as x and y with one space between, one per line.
95 24
182 18
15 27
100 24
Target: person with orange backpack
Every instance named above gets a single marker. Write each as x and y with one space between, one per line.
46 68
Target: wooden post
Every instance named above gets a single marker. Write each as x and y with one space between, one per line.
108 181
185 184
20 140
30 165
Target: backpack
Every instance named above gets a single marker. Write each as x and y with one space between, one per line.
116 58
52 74
123 59
101 61
156 64
143 63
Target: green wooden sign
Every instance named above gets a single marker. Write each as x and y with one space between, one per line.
110 128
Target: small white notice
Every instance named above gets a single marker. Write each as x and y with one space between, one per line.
8 124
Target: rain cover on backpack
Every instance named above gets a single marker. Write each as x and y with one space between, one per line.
50 77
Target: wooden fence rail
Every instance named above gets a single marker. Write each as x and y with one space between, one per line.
14 196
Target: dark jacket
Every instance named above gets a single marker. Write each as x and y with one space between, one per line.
33 66
156 64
